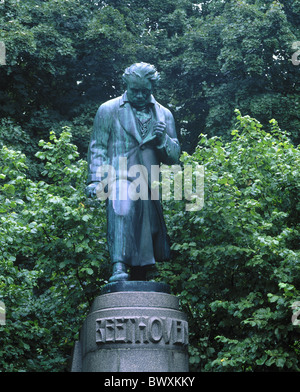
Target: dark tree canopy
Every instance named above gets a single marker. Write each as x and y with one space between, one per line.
64 58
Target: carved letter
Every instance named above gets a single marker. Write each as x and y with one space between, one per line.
141 335
100 331
167 329
178 332
155 329
110 330
120 329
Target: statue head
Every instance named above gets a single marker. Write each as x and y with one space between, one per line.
140 78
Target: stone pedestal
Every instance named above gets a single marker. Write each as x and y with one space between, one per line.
133 327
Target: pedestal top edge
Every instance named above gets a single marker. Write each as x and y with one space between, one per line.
138 286
133 299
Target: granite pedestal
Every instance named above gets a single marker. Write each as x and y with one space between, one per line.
133 327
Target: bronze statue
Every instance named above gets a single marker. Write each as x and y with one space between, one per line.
132 131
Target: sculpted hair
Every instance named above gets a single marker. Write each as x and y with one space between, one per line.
142 70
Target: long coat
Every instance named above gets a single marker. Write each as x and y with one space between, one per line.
136 230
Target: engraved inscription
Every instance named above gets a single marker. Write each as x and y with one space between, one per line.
142 330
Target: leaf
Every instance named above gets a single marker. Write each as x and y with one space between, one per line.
89 271
280 362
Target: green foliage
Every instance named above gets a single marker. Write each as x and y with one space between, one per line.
64 58
234 54
236 265
53 256
59 59
14 137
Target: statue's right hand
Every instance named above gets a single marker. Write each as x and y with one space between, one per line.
90 190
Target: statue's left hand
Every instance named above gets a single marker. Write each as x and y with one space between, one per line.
159 131
90 190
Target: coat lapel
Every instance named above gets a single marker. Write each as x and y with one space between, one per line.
158 112
127 119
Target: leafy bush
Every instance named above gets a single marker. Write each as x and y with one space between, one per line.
52 256
236 265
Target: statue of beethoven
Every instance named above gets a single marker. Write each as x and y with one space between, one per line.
139 130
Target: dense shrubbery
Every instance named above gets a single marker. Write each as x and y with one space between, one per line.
235 266
53 256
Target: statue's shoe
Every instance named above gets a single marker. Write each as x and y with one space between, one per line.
118 276
119 272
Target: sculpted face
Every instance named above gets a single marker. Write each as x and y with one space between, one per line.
139 91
